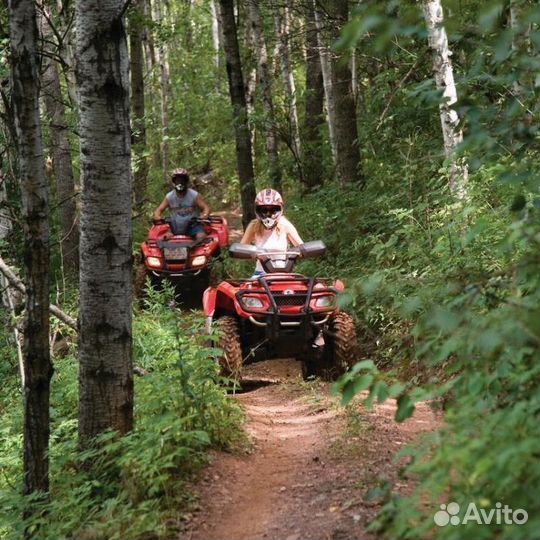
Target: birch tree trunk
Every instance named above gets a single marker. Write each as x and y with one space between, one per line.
326 69
314 100
163 89
282 31
238 100
61 152
138 137
250 85
216 37
34 192
148 36
339 91
255 19
66 48
105 346
444 79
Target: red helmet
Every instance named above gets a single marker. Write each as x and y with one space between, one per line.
268 207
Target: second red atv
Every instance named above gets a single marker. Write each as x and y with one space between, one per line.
281 314
179 258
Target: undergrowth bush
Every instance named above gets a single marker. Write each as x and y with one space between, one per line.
136 485
446 297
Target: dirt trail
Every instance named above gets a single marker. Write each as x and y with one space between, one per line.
309 472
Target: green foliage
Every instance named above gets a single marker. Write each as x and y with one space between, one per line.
446 293
132 486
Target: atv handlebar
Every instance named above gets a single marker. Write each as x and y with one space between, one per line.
275 260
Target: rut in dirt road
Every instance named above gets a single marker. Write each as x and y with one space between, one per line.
307 475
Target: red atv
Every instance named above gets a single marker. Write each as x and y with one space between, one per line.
179 258
281 315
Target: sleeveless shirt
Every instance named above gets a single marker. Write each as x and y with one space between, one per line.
185 206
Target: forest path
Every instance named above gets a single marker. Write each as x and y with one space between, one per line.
310 468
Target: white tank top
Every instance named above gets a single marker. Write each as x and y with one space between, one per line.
273 239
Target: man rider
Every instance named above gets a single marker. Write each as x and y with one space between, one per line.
184 204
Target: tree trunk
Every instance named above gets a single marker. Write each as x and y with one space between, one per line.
326 69
444 79
105 346
250 85
282 31
238 100
314 100
61 152
34 192
148 35
348 163
216 37
255 19
163 89
138 128
66 48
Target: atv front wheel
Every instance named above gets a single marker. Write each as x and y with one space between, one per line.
340 350
229 342
139 281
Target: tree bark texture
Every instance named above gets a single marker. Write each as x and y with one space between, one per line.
61 152
348 162
238 100
216 37
314 101
250 85
326 69
34 192
148 36
256 23
138 128
105 339
163 62
444 79
282 31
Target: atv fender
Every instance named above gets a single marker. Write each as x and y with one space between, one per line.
209 301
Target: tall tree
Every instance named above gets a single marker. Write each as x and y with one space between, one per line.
282 25
34 191
163 62
105 348
263 73
314 100
216 38
444 79
136 30
348 161
238 100
60 148
326 70
148 36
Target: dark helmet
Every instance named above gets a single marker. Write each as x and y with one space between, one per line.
180 179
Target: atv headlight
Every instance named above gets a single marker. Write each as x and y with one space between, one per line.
198 261
252 302
327 300
153 262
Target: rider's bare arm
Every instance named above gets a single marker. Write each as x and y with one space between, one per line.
161 208
204 208
292 235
